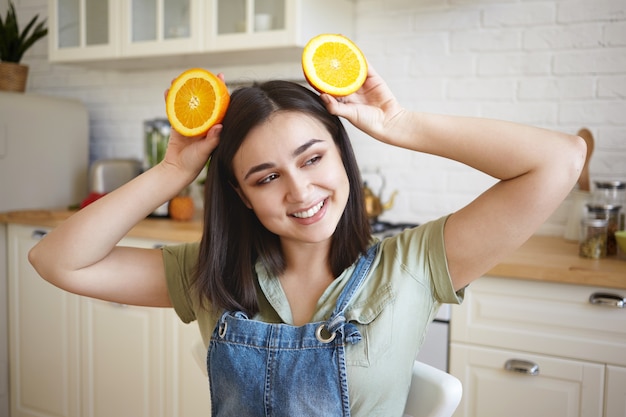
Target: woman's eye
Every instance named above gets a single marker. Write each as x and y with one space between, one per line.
268 179
313 160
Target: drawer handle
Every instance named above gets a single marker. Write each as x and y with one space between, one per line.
38 234
522 366
607 299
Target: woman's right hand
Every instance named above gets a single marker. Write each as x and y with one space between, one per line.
82 256
190 154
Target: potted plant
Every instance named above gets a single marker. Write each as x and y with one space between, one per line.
13 44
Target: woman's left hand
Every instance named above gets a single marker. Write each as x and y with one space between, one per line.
372 109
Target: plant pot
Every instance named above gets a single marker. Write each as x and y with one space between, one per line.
13 76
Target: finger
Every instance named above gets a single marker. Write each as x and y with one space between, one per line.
214 132
212 139
336 106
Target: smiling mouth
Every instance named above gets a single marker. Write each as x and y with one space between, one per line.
310 212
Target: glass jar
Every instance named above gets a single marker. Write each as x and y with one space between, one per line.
609 193
611 214
593 238
156 137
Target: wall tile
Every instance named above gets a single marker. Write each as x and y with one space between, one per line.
552 63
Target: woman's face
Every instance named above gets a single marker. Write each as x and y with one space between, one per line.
290 172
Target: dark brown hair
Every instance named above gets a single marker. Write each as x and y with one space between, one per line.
234 239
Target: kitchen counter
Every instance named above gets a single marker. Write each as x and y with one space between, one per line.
541 258
163 229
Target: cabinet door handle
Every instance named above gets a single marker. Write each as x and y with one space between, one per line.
522 366
38 234
607 299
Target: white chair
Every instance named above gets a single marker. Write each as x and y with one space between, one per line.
199 353
433 392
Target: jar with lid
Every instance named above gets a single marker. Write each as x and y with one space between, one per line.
610 213
609 193
593 238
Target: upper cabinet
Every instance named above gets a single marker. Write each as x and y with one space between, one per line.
82 29
191 32
158 27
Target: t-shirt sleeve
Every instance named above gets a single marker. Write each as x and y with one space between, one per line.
438 263
180 263
423 251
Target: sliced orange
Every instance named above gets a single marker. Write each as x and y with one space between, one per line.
333 64
197 100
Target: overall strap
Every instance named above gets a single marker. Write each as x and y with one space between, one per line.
337 318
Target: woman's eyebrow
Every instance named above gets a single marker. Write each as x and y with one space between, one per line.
302 148
258 168
267 165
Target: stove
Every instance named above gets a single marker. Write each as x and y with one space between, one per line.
382 229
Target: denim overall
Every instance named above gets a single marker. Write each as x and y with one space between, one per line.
275 370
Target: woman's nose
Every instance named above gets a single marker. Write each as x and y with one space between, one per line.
298 188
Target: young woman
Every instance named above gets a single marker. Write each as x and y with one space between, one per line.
302 312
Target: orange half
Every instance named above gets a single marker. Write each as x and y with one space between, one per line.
197 100
333 64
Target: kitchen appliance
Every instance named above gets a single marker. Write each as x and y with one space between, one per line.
105 175
44 158
434 350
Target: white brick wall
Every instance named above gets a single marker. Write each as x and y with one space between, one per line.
559 64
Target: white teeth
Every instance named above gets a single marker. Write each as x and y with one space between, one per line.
310 212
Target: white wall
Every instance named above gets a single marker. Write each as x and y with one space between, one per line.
559 64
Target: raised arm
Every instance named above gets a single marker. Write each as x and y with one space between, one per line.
536 167
81 255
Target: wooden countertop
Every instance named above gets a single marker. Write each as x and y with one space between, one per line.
541 258
163 229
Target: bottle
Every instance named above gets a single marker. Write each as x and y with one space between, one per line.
593 238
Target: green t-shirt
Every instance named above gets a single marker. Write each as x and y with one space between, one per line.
407 283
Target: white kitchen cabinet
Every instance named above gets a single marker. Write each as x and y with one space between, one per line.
262 24
615 404
76 356
578 347
43 337
83 29
160 27
563 388
147 33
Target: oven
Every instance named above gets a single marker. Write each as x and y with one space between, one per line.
434 350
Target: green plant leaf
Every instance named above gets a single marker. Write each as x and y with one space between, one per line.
14 44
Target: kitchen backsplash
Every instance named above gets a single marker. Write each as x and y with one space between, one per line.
559 64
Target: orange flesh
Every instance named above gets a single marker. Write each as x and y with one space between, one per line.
195 99
330 69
